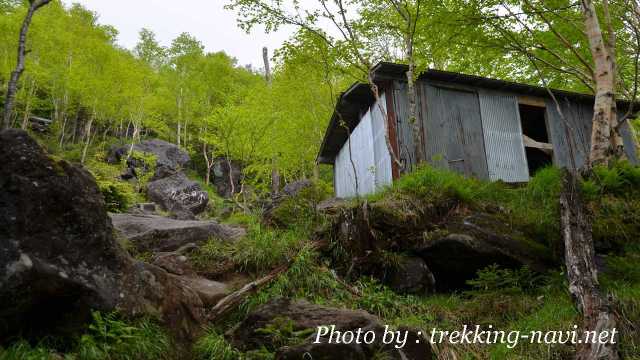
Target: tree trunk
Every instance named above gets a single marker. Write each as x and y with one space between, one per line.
275 174
275 178
87 138
179 116
411 94
267 68
209 162
12 87
233 186
385 116
27 110
605 141
582 274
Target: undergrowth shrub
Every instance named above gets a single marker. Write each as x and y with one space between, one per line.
262 249
620 179
213 346
430 183
22 350
281 332
109 337
307 278
494 278
144 163
613 195
532 208
380 300
118 195
299 211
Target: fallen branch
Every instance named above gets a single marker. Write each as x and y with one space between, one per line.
353 290
230 301
234 299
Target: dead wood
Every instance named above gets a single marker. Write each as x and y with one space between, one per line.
231 301
597 310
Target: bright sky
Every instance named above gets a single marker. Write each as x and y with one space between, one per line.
207 20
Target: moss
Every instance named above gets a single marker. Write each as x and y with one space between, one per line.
57 165
300 210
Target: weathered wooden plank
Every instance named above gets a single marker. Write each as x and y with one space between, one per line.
531 100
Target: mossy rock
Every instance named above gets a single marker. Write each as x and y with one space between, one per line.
454 240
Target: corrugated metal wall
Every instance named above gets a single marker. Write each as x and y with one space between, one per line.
487 125
382 171
404 130
506 158
370 157
578 118
453 130
629 142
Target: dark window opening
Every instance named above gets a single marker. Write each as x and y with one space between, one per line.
534 126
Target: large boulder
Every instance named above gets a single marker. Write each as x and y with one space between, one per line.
303 317
410 275
453 245
227 177
177 194
170 187
58 255
475 242
158 233
169 157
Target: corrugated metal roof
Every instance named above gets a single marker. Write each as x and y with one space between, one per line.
350 105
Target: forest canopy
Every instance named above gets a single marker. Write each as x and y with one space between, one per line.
79 77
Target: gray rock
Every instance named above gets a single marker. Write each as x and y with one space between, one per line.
454 244
294 188
158 233
59 258
169 157
174 263
303 315
226 185
147 208
476 242
412 276
210 292
176 193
